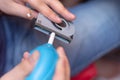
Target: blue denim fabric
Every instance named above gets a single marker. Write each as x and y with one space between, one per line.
2 49
97 32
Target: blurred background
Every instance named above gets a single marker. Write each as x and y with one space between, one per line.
108 67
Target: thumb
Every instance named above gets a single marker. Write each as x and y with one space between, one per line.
22 11
63 56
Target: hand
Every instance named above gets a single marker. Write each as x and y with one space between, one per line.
28 62
63 69
20 71
48 8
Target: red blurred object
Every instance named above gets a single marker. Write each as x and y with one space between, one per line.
87 74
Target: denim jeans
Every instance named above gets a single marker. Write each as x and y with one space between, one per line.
97 32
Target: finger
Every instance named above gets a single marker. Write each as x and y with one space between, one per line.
26 55
32 59
26 64
35 55
61 52
62 55
59 8
67 70
45 10
22 11
60 70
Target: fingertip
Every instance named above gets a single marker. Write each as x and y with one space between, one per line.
57 19
35 55
73 17
69 16
26 55
61 52
60 49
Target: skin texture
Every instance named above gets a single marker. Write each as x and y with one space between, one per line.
48 8
28 62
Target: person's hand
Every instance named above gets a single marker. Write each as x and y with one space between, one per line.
48 8
28 62
63 69
20 71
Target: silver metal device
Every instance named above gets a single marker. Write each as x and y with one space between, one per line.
64 31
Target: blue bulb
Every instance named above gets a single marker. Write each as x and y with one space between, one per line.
45 67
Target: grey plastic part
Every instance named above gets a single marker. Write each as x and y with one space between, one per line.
64 33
